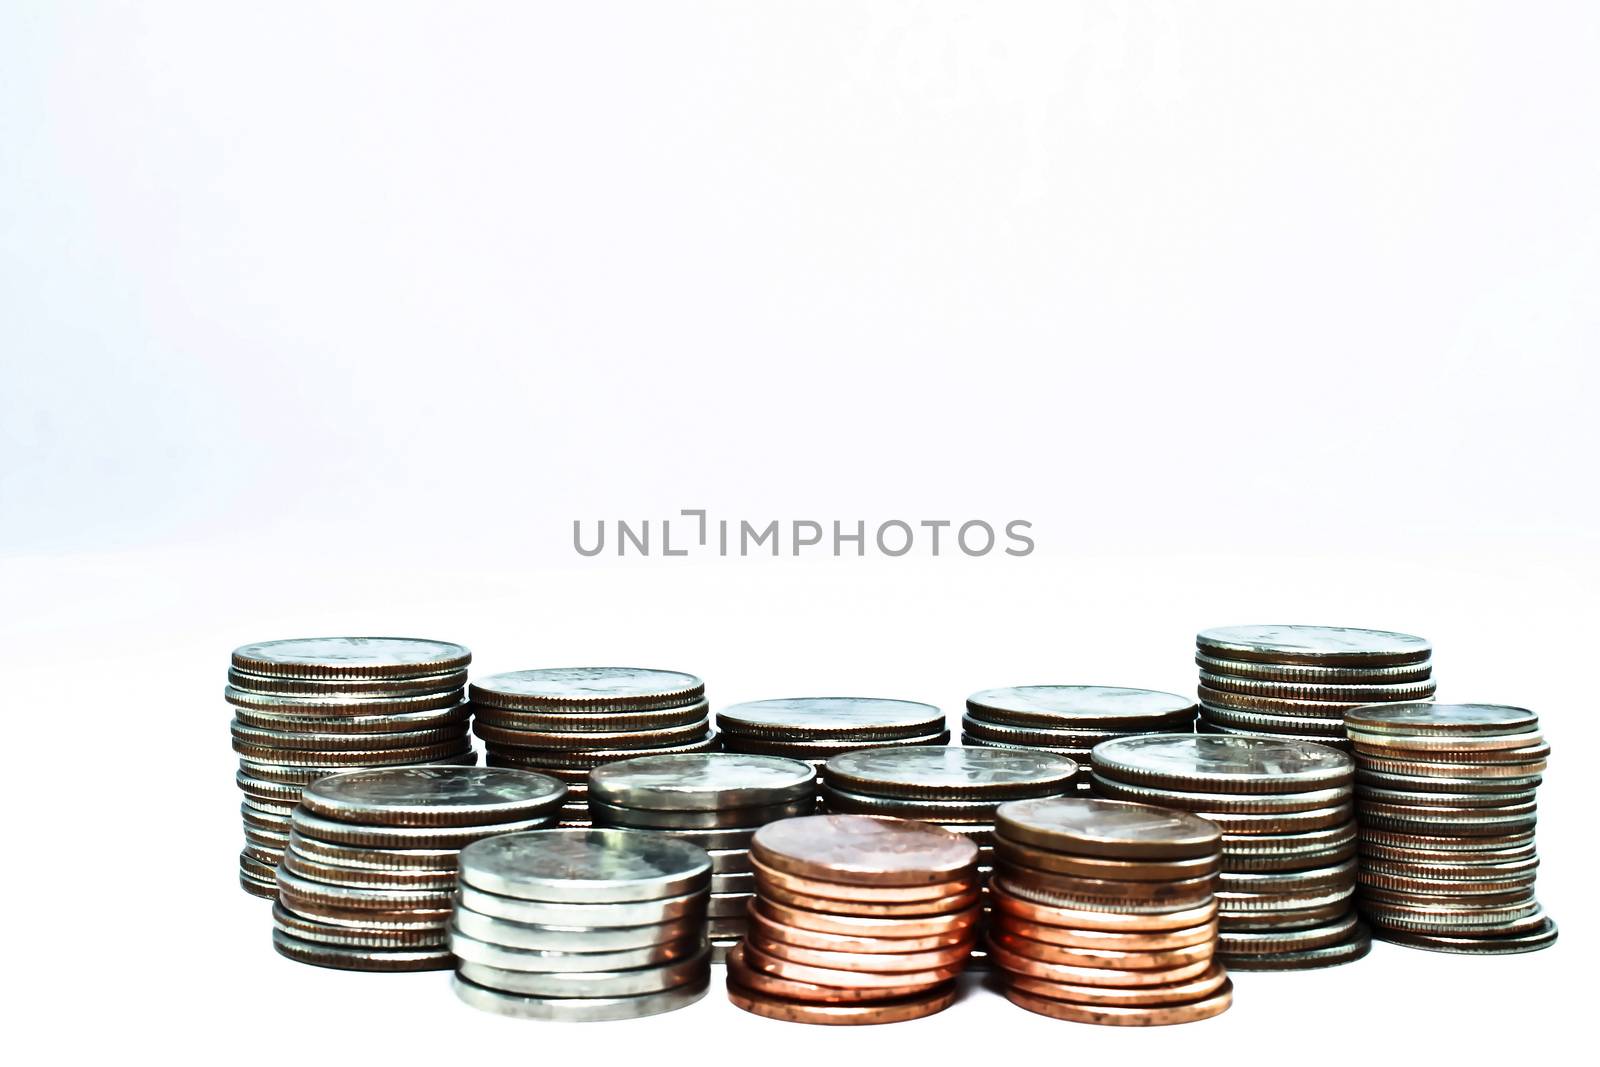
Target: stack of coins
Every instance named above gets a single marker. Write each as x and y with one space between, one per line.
565 721
1287 888
367 880
1104 912
582 925
814 729
1298 681
856 920
716 800
1445 797
1069 720
307 707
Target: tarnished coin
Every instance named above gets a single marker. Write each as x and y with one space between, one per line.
1319 645
1061 897
309 897
1065 706
353 958
286 775
835 718
1175 893
1223 763
1296 709
1421 718
949 773
1106 828
350 657
703 781
379 859
591 866
413 878
861 850
634 688
577 1009
434 796
836 1013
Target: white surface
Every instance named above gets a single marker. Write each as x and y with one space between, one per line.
333 321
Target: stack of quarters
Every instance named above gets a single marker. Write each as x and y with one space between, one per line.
1445 794
370 870
1298 681
1069 720
565 721
856 920
956 788
1286 893
582 925
307 707
716 800
1104 912
815 729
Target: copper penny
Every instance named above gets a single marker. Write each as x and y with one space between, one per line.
741 973
1096 867
832 942
1110 829
1139 996
863 1014
1095 975
1117 941
868 908
1091 919
885 894
955 924
880 962
1114 1015
897 984
1163 959
864 850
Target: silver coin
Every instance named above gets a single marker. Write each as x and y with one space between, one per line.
1078 755
487 954
255 738
1274 689
842 802
630 687
1240 802
309 824
724 884
575 940
1312 674
1255 942
1340 876
826 749
1113 707
589 741
729 906
1422 718
378 859
1399 798
314 870
1352 948
296 709
733 837
360 657
302 776
1420 783
1206 726
1307 726
1029 736
434 796
351 958
835 718
726 927
640 818
951 773
546 913
577 1009
635 982
1223 763
298 891
706 781
307 929
593 866
397 723
371 688
604 720
1283 643
551 761
729 860
270 763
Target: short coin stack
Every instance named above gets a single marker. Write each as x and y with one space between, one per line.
1104 912
306 707
367 880
817 728
856 920
1445 797
716 800
1298 681
565 721
1287 887
1069 720
581 925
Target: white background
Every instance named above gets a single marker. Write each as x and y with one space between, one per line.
332 321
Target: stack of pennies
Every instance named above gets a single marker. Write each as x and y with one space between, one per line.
306 707
1104 912
816 729
1286 893
716 800
565 721
1445 794
1298 681
957 788
368 877
1069 720
856 920
582 925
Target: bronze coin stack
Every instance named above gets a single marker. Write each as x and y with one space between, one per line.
1069 720
1104 912
814 729
716 800
1298 681
856 920
565 721
1445 794
1286 893
369 874
308 707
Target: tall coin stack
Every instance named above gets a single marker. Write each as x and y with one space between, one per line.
1069 720
856 920
306 707
814 729
1104 912
1286 893
1445 797
369 874
716 800
1298 681
565 721
582 925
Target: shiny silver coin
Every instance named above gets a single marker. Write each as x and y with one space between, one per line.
1206 726
632 688
488 954
1107 829
255 868
314 870
1027 736
269 792
401 723
729 860
550 761
1353 948
1251 903
589 741
308 929
1223 763
1312 674
350 657
1108 707
842 802
373 858
733 837
1448 921
1316 710
546 913
1247 863
591 866
1256 942
1417 783
252 738
1421 718
296 709
269 763
1319 691
644 819
948 773
1284 919
1292 725
1336 877
824 750
635 982
364 688
1078 755
270 857
572 720
708 781
1395 798
1237 802
309 824
575 940
271 816
729 906
1275 823
1376 856
1036 894
434 796
728 927
308 897
725 884
1320 645
831 718
577 1009
350 958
